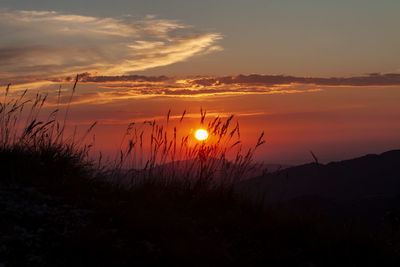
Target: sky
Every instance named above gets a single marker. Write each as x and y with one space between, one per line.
314 75
306 37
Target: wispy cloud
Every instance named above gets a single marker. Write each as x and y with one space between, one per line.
48 43
271 80
106 89
113 88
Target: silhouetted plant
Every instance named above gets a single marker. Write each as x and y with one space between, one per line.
40 139
151 151
155 151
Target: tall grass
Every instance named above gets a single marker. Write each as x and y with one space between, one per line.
166 152
161 152
21 126
38 137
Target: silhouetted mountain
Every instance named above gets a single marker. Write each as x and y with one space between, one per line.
371 176
218 169
365 187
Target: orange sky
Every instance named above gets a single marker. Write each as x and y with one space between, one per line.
335 122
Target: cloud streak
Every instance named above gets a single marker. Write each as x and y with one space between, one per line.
114 88
47 43
272 80
106 89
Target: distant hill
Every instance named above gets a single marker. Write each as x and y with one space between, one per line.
184 168
365 189
371 176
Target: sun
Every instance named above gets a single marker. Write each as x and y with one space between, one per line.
201 134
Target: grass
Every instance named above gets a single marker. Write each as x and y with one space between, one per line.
155 151
164 201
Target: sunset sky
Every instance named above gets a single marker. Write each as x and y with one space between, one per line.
314 75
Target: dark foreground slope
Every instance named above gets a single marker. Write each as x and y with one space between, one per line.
365 188
55 212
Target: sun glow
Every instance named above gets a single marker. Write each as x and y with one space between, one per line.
201 134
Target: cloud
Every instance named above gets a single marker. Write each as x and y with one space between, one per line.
113 88
48 43
106 89
272 80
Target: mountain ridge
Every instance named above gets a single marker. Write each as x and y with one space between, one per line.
372 175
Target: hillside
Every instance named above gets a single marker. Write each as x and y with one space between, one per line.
56 212
368 177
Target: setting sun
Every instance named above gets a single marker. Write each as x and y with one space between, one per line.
201 134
